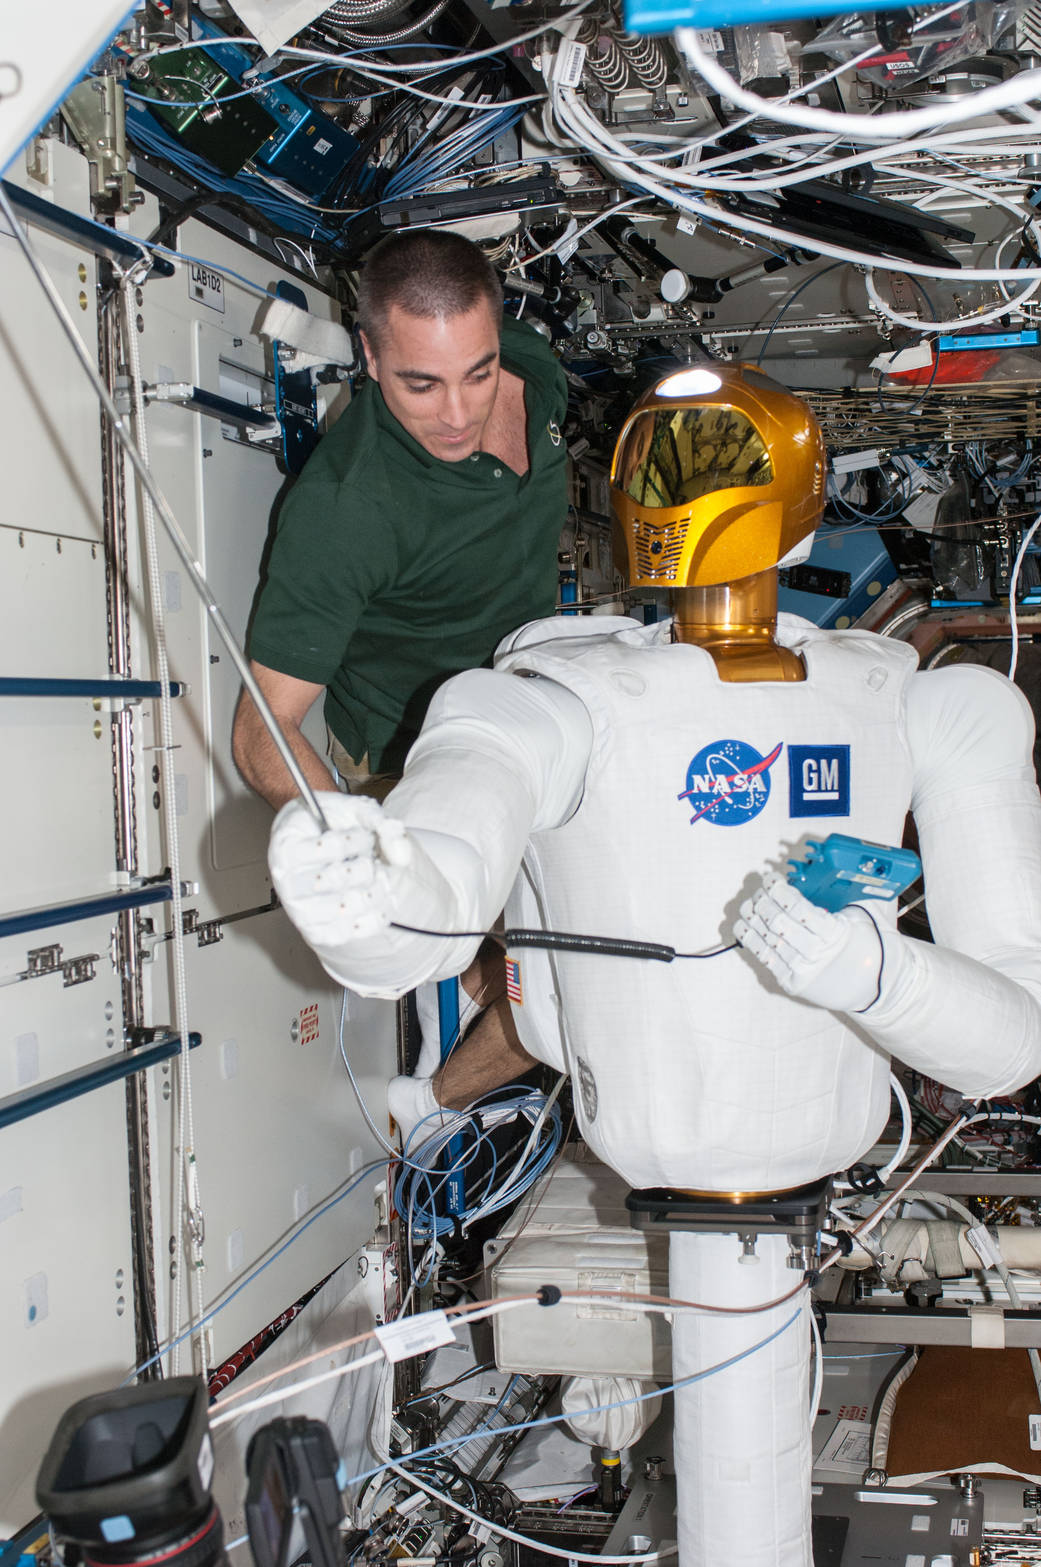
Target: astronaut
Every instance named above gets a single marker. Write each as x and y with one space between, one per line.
648 782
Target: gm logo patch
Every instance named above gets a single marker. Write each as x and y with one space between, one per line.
818 780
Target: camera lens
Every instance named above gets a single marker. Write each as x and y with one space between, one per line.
127 1478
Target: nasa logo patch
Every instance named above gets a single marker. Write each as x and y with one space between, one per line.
818 780
728 782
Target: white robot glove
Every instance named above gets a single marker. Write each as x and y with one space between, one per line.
343 889
831 960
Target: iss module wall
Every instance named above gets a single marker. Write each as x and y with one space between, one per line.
198 1175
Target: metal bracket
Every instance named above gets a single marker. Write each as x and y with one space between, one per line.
258 423
96 114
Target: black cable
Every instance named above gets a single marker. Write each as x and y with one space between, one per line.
569 941
792 297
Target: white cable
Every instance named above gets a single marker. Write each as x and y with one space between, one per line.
590 135
973 318
189 1198
1013 585
818 1366
821 81
222 1416
523 1539
582 127
1019 89
577 235
596 140
281 1394
902 1100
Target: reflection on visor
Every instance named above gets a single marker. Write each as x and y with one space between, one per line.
673 456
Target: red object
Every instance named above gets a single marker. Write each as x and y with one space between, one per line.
962 366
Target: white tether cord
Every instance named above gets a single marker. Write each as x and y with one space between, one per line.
188 1200
902 1100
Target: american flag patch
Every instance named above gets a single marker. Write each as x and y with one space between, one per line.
513 982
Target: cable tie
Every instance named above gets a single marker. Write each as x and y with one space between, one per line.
812 1276
547 1294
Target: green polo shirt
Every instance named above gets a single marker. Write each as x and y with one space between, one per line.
392 570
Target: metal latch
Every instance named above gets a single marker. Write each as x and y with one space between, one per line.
41 961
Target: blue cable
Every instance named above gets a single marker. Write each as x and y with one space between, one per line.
621 1403
214 1311
415 1192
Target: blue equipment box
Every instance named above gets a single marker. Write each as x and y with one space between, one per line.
838 870
661 16
307 149
858 551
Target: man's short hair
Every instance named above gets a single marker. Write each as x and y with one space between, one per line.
429 273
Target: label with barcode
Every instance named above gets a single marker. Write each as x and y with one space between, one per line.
1034 1426
571 59
984 1245
414 1335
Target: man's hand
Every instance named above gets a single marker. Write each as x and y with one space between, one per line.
832 960
348 883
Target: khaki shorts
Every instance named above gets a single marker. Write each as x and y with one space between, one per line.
355 776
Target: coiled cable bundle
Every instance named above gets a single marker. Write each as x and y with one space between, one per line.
426 1171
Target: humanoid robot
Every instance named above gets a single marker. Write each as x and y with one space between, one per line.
648 782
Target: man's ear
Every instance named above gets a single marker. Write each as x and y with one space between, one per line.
371 362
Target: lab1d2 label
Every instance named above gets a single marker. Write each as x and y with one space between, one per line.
309 1024
206 286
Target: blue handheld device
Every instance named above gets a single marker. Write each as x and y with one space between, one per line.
838 870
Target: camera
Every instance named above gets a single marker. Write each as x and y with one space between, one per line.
127 1475
126 1481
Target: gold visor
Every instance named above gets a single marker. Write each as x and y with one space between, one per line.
672 456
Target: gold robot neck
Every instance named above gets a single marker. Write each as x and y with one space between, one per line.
736 622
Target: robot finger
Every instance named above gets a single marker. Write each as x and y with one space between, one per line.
765 947
783 906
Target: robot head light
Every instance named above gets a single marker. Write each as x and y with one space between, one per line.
717 475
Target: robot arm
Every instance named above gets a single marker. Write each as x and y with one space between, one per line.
499 757
966 1010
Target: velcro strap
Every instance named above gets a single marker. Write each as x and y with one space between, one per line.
986 1327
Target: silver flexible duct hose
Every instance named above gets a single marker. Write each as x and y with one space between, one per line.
382 39
645 58
348 13
604 61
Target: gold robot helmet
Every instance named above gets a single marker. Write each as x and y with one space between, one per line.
718 474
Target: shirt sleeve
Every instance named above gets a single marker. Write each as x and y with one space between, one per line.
967 1010
331 556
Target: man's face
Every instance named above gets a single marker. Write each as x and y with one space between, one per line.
439 377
